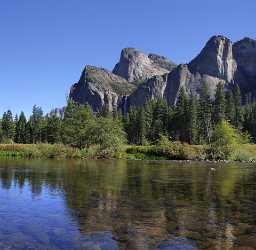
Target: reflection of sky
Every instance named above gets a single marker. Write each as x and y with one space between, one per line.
40 219
58 206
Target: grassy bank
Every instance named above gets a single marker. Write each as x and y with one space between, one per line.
173 151
179 151
47 151
176 151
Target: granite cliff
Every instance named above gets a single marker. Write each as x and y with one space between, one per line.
139 77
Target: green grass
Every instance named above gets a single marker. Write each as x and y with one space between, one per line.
32 151
247 152
172 151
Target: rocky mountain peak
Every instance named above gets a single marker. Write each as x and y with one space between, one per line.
244 52
216 59
220 61
136 66
100 88
246 43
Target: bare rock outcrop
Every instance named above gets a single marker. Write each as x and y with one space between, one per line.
244 52
100 88
152 89
192 83
139 77
216 59
136 66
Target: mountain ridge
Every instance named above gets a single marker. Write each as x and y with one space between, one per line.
150 76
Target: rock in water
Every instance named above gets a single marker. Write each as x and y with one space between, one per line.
99 241
177 243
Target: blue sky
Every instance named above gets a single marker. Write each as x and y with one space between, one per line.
45 44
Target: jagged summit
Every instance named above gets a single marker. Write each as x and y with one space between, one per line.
135 65
220 61
99 87
216 59
244 52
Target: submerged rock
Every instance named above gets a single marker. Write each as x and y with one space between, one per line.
178 243
99 241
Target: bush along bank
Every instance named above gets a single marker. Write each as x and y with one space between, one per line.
51 151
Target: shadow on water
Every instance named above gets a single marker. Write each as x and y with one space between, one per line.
126 205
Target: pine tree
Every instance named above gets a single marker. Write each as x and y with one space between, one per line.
148 119
249 123
37 124
29 133
182 116
8 125
141 127
230 107
205 115
193 120
238 119
53 128
219 104
20 132
160 119
135 126
77 125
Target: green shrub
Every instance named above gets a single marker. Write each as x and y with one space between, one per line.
165 149
225 142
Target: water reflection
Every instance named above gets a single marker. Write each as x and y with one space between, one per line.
126 205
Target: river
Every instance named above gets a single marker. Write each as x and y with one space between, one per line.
115 205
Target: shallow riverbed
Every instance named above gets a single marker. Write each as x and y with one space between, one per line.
127 205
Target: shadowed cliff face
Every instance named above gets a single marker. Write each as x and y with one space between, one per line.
244 53
99 87
139 77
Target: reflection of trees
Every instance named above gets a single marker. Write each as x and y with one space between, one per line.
144 203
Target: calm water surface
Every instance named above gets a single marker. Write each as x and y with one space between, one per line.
113 205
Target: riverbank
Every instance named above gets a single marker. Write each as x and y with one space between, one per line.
45 151
179 151
174 151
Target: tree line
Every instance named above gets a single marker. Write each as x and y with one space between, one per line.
192 120
77 126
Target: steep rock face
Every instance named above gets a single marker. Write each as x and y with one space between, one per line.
168 86
99 88
245 56
215 64
153 89
192 83
216 59
220 61
162 62
135 66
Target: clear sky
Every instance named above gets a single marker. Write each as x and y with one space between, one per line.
44 44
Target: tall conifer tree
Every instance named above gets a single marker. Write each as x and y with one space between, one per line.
219 104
